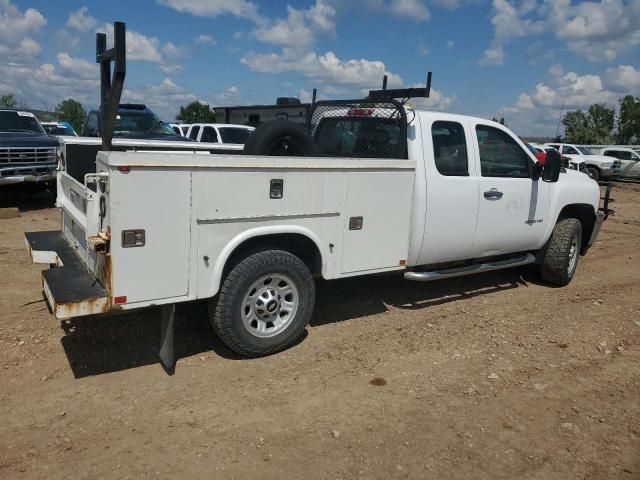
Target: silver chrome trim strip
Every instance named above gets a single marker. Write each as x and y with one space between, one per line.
265 218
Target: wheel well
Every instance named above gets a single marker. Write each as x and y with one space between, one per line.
595 167
583 212
299 245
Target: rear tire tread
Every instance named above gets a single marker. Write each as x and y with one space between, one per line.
223 313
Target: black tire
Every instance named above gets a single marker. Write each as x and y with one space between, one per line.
594 172
281 138
557 267
231 320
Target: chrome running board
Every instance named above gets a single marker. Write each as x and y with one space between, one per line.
476 268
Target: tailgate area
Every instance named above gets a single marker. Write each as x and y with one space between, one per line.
70 289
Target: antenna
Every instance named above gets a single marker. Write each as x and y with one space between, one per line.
111 87
559 118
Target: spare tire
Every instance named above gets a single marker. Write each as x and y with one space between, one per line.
281 138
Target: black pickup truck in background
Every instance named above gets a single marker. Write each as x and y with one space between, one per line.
27 153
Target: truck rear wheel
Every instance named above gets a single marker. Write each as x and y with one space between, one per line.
562 252
264 304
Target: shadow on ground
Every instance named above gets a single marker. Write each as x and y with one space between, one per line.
97 345
26 197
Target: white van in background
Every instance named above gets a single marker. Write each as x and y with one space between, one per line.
219 133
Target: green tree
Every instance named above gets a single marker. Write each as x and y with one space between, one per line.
8 101
577 127
601 122
196 112
71 111
628 124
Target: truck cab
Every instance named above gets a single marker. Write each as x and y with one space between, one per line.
27 153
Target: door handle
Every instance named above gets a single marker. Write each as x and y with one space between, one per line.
493 194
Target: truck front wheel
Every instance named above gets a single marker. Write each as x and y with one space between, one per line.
264 304
562 252
594 172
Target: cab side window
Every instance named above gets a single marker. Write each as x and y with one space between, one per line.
500 154
209 135
91 128
567 150
450 148
194 132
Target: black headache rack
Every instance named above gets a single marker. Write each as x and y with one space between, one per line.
372 127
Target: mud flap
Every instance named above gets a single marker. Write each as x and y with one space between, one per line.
167 358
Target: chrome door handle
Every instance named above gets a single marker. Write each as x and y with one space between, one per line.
493 194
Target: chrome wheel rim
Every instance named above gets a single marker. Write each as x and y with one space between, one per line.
573 254
270 305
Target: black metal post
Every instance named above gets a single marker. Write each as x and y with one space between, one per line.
111 86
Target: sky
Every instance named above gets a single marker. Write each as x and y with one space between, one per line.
521 59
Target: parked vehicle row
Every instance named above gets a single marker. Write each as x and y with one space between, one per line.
598 166
27 153
214 132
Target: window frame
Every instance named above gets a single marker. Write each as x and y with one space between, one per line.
527 155
466 148
196 129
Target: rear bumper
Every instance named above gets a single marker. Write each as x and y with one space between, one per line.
28 174
70 289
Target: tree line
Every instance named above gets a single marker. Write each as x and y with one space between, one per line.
600 124
68 110
72 111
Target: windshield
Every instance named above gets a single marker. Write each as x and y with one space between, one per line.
65 130
585 150
140 124
19 122
234 135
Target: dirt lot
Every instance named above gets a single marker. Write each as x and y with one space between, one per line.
493 376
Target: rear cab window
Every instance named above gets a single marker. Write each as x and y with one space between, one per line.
360 136
450 148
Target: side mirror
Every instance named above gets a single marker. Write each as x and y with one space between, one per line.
552 166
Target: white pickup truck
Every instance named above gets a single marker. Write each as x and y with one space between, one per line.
599 167
369 190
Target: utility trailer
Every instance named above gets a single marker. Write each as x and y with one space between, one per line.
369 186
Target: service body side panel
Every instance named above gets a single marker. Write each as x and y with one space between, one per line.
157 201
208 205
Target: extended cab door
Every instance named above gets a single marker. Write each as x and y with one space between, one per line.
450 189
513 208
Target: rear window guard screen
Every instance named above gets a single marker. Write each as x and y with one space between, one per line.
359 129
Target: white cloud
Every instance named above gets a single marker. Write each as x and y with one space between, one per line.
412 9
624 79
214 8
597 30
81 20
15 28
300 28
205 40
164 98
323 68
77 67
436 101
537 111
150 49
493 56
509 22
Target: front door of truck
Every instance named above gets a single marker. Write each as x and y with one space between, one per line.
513 209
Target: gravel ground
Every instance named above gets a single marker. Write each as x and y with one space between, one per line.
492 376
